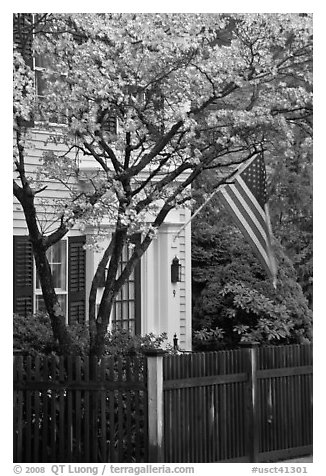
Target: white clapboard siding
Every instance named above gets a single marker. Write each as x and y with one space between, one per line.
55 190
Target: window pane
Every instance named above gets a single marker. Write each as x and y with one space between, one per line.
42 61
125 310
132 327
40 83
40 306
59 252
57 256
131 309
118 315
59 276
124 292
131 290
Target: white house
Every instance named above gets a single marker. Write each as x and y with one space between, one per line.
149 302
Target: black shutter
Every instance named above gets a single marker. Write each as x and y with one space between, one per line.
109 123
76 279
23 38
23 35
107 119
23 275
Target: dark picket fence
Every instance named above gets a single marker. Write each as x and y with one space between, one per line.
249 404
75 410
285 401
210 414
203 400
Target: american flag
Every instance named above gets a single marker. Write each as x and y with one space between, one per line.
245 198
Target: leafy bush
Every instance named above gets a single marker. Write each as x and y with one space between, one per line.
234 301
33 335
122 342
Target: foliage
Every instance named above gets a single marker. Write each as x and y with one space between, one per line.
190 92
33 336
122 342
233 300
292 211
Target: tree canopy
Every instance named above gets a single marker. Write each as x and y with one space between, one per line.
151 100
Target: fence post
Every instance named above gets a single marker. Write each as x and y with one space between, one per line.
175 342
251 407
155 404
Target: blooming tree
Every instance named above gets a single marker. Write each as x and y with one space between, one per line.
152 100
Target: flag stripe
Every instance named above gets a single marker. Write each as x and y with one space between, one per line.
245 200
251 199
249 215
246 229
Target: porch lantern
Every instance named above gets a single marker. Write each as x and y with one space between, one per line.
175 270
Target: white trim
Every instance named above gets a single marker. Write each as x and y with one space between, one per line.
58 291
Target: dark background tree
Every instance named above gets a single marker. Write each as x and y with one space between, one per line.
232 297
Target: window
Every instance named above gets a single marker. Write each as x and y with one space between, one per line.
67 259
22 34
126 308
25 26
40 64
68 264
57 256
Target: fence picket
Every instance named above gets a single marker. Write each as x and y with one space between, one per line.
128 409
102 412
78 406
86 409
36 425
18 411
61 411
45 412
28 445
112 432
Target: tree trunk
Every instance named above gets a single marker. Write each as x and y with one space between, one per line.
98 347
100 274
59 328
110 291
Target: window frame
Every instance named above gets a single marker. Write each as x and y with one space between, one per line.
123 297
59 291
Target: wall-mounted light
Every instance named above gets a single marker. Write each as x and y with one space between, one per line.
175 270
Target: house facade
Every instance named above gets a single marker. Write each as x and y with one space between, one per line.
150 302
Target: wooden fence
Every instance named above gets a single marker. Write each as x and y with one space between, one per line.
249 404
285 401
203 402
76 410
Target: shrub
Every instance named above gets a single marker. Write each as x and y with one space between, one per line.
33 335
